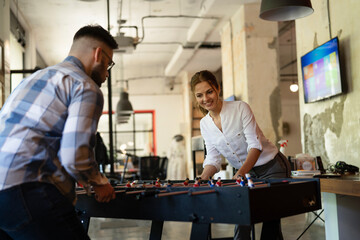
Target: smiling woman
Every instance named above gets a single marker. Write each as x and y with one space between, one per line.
230 130
205 88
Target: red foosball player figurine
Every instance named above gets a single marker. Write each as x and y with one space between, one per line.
128 184
238 179
158 182
186 183
196 183
218 182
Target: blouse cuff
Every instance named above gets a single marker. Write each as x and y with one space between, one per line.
212 164
256 145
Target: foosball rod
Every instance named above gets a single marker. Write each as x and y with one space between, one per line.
171 193
142 191
202 192
190 193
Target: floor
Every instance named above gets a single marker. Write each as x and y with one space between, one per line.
111 229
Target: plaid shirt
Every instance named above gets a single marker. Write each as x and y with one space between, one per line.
47 129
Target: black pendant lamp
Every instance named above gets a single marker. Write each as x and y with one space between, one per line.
285 10
124 108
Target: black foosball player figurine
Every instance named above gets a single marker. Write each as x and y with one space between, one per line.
186 183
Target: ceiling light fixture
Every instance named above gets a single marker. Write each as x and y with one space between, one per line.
285 10
125 44
294 87
124 108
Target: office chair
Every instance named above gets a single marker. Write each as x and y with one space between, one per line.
149 167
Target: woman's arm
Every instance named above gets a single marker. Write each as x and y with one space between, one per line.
250 161
208 171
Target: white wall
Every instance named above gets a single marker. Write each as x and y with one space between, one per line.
291 115
330 128
169 114
250 47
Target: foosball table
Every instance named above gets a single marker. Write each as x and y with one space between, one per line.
203 205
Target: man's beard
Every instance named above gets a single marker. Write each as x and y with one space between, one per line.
96 74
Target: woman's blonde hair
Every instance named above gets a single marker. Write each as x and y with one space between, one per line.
203 76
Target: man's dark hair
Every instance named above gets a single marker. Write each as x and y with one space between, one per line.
98 33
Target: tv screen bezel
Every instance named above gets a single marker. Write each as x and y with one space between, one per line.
339 66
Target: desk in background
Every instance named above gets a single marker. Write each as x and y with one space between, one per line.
341 201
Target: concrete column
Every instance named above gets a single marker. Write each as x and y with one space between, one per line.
251 67
5 38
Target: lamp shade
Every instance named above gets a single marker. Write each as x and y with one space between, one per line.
285 10
124 108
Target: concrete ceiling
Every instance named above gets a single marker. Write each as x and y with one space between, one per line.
166 46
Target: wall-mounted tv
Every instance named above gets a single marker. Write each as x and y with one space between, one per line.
321 72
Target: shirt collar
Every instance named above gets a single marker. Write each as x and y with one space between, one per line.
75 61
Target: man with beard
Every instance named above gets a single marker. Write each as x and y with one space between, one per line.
47 137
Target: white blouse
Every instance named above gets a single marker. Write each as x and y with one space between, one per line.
240 133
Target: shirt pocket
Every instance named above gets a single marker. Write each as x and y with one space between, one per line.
238 138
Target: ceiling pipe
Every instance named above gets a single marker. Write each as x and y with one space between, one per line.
168 16
183 56
140 78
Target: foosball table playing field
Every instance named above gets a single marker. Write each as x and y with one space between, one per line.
203 204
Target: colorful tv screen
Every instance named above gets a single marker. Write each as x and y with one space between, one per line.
321 72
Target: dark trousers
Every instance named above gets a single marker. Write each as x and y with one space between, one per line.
279 167
38 211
